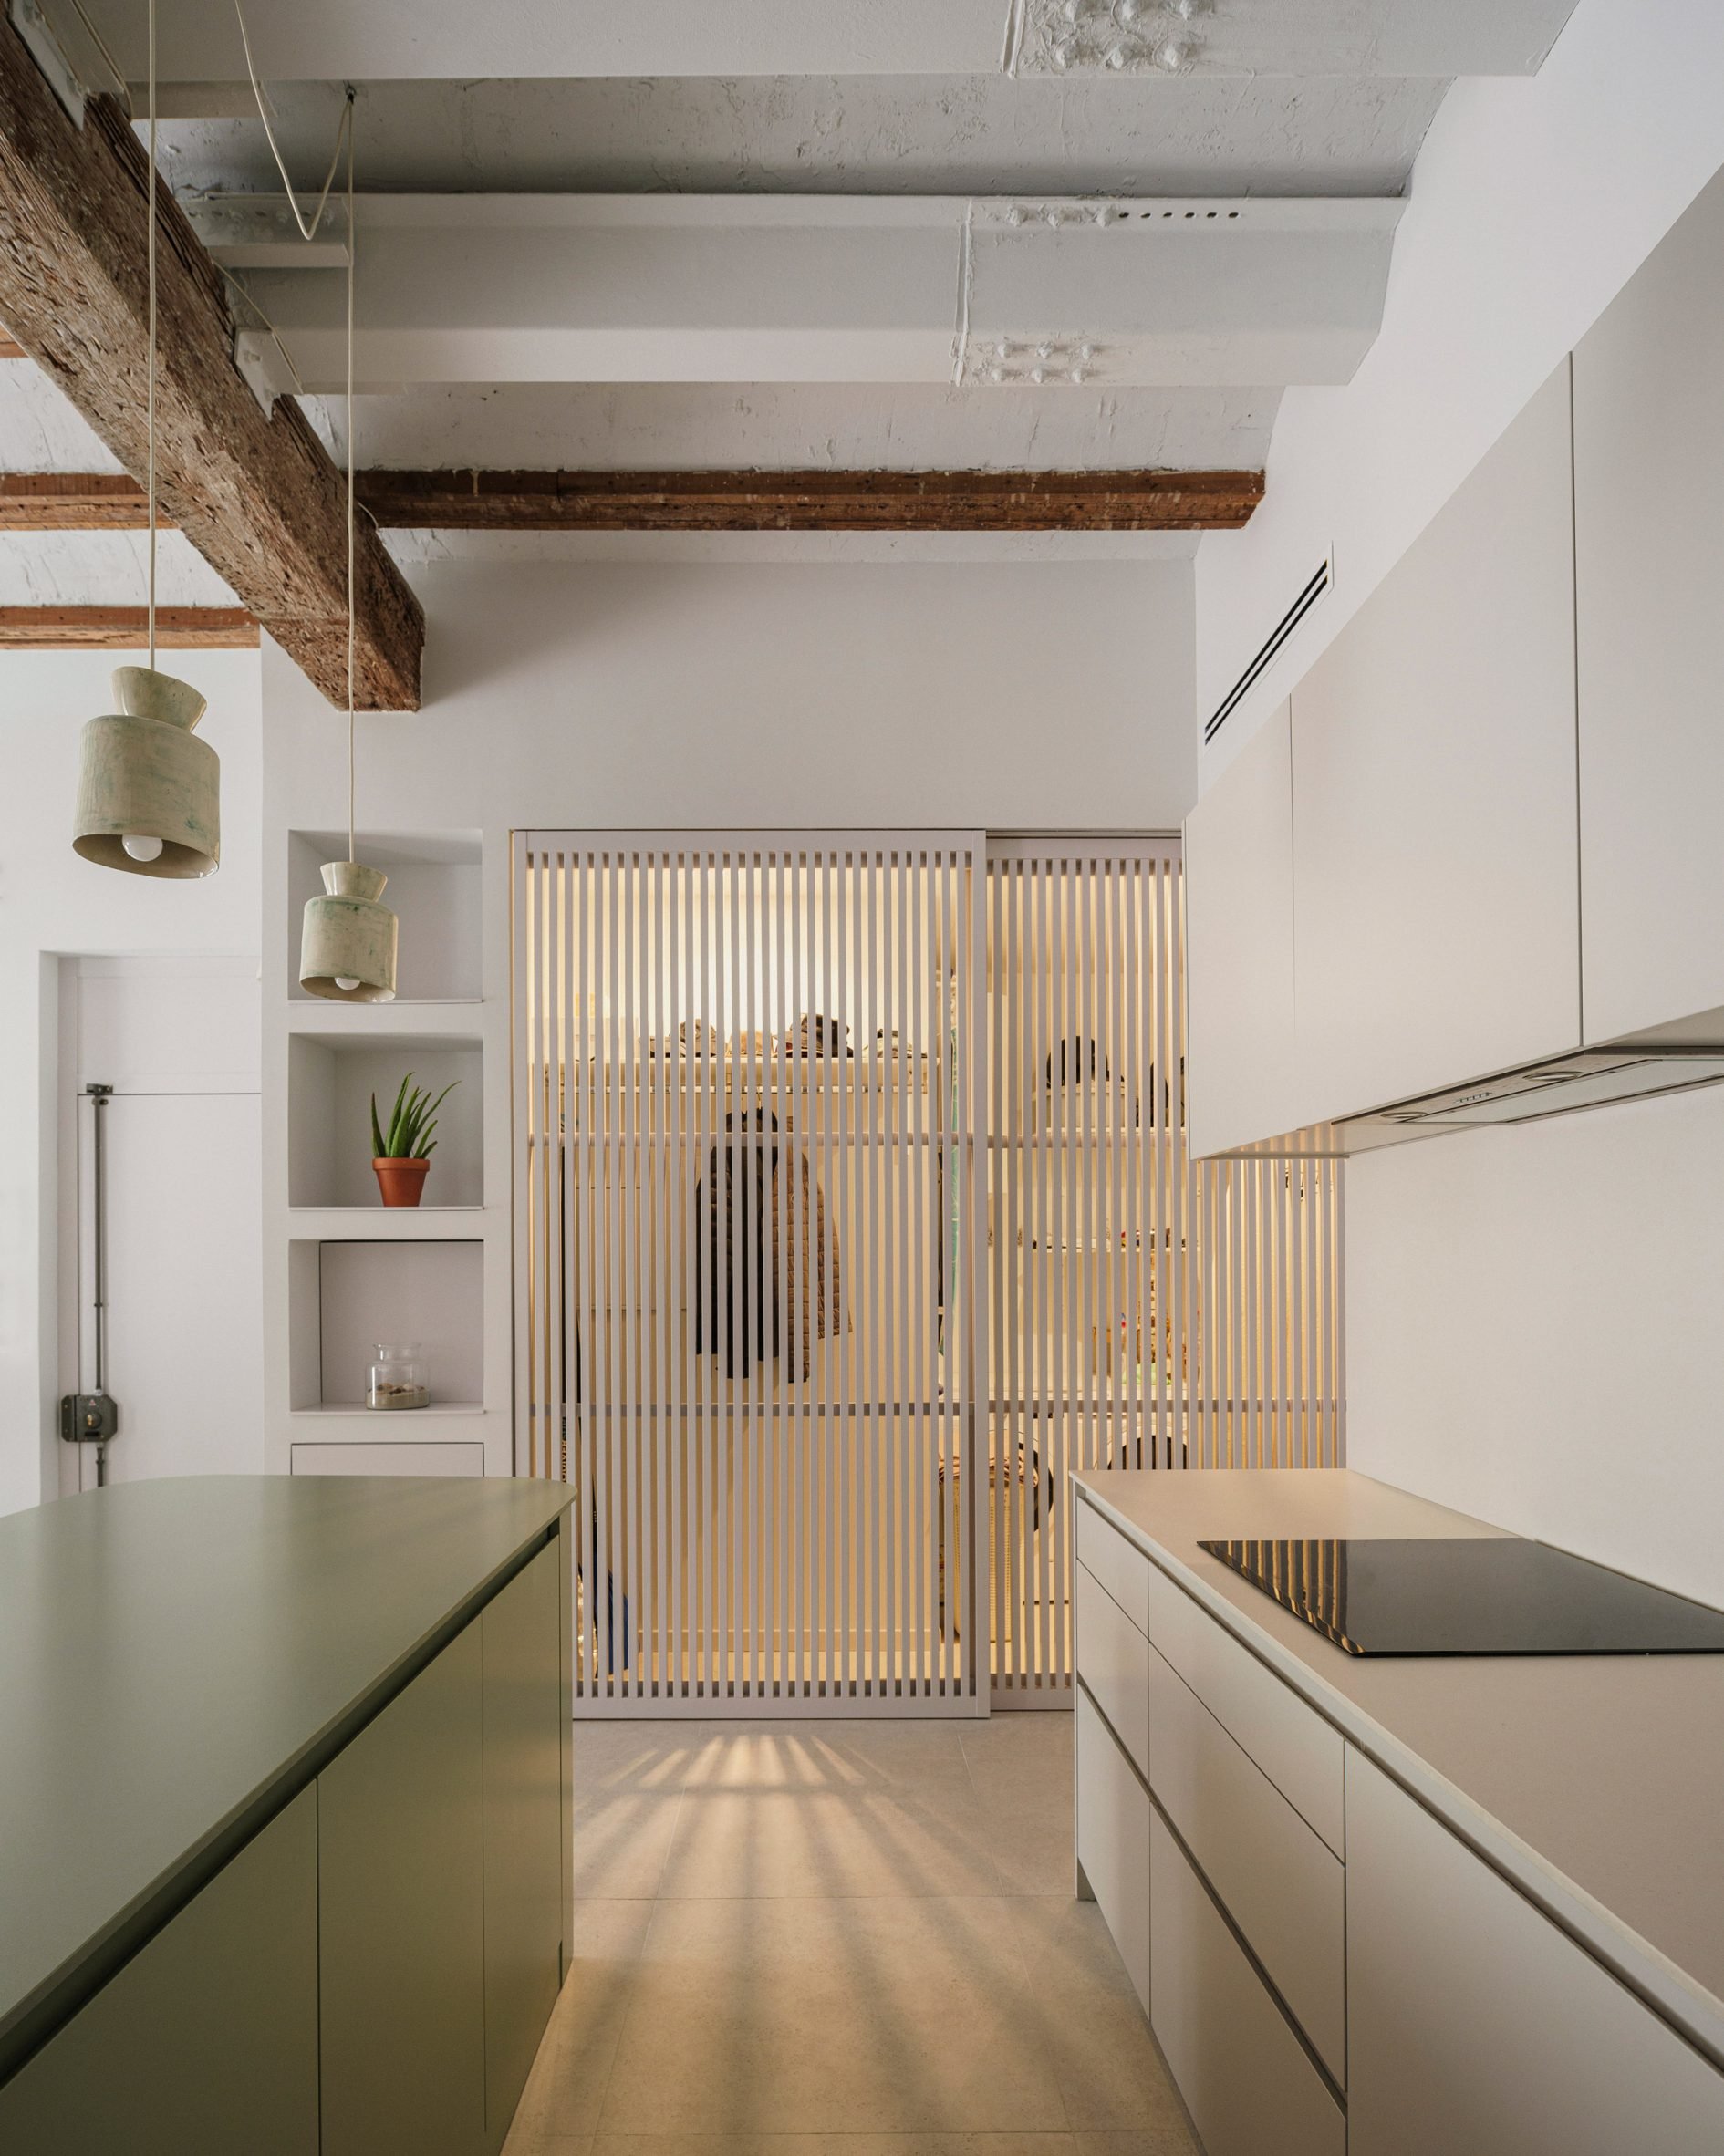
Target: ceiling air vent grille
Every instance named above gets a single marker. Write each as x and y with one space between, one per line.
1272 645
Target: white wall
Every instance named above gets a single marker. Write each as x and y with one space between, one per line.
1533 1330
1534 200
590 693
53 902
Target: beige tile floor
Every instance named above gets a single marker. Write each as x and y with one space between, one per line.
840 1939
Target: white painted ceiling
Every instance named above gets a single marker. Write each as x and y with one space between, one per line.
962 106
427 39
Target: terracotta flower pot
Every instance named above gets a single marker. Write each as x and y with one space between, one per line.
402 1182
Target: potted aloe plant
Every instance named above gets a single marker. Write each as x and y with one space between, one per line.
401 1152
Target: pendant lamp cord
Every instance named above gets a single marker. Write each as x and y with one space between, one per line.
353 249
344 135
306 231
150 396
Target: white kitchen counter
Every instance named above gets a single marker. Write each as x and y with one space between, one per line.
1595 1782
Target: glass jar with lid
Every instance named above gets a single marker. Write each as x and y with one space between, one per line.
399 1377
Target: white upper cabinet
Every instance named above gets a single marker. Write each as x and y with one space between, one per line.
1435 869
1650 554
1241 1080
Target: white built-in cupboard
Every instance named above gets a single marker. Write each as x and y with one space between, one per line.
1483 829
1649 570
1328 1969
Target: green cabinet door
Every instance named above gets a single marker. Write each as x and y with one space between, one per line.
205 2043
522 1634
400 1896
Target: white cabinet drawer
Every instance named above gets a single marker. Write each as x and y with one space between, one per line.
1112 1660
1283 1888
1478 2026
1244 2075
1295 1747
1123 1571
1113 1842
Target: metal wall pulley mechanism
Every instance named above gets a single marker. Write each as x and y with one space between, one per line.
92 1418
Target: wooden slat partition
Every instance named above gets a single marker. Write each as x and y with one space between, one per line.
746 1253
820 1336
1148 1311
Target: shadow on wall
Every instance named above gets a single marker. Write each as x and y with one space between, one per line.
553 612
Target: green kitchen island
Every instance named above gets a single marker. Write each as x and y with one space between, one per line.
286 1791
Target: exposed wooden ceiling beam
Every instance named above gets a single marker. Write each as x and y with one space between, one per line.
818 500
125 628
258 496
712 501
71 502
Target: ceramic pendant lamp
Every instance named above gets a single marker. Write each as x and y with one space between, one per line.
149 796
346 947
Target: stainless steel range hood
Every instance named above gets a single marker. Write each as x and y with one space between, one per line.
1590 1078
1559 1085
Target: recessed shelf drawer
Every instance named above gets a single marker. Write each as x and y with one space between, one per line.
1122 1571
1244 2075
1113 1841
458 1456
1295 1747
1112 1660
1284 1889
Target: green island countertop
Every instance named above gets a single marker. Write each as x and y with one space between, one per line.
178 1658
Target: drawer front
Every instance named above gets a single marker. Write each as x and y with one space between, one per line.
1123 1571
1243 2074
1284 1889
1113 1842
1478 2026
1112 1660
1295 1747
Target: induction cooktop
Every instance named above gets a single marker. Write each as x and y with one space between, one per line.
1485 1594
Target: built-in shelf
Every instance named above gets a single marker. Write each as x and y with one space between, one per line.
433 890
380 1422
380 1223
331 1079
346 1296
349 1272
459 1018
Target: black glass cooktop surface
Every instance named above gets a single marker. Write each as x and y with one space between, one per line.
1470 1595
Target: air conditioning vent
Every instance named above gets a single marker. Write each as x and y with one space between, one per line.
1318 584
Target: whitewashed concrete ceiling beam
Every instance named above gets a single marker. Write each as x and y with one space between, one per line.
788 426
418 39
860 134
776 288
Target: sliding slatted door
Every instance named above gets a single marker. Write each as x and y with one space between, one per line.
1146 1310
748 1084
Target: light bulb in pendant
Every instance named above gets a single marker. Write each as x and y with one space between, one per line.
141 846
347 982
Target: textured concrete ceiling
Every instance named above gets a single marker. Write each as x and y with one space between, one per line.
367 39
952 97
1318 134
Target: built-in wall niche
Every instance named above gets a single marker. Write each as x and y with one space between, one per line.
346 1297
330 1079
433 890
